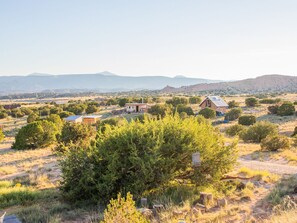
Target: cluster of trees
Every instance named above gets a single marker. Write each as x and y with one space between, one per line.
142 156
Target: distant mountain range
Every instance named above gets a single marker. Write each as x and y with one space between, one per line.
265 83
101 82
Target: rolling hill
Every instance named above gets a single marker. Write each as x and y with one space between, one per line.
265 83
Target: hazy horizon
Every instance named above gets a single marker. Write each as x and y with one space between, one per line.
218 40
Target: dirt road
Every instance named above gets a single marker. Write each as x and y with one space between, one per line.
268 166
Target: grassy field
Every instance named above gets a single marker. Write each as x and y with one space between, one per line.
29 181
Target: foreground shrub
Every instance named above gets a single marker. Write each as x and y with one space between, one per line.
234 130
247 120
275 142
32 117
287 108
208 113
251 102
141 157
257 132
123 210
35 135
233 114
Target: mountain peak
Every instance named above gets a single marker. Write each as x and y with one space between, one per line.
35 74
107 73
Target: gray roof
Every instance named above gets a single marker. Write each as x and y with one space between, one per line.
218 101
72 117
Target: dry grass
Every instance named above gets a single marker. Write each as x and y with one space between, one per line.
259 175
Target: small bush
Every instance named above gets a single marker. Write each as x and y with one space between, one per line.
247 120
270 101
195 100
251 102
295 131
257 132
32 117
3 114
160 110
183 108
273 109
2 136
208 113
287 108
275 142
233 114
233 104
234 130
123 210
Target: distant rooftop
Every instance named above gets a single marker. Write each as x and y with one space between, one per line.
73 117
218 101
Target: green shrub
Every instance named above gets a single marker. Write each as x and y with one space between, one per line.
76 133
142 157
247 120
208 113
233 104
35 135
275 142
91 109
3 114
123 210
65 114
234 130
273 109
258 131
287 108
251 102
32 117
123 101
186 109
160 110
195 100
233 114
270 101
177 101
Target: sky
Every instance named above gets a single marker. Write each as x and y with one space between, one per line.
212 39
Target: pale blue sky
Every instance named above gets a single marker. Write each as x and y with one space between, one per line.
218 39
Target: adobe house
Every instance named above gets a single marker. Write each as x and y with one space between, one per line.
90 119
214 102
136 107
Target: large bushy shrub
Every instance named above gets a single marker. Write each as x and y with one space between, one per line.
275 142
234 130
35 135
91 109
208 113
295 131
123 210
251 102
258 131
287 108
233 114
269 101
247 120
32 117
143 156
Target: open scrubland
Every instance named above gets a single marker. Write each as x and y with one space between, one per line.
72 180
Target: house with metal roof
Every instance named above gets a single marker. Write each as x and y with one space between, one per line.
214 102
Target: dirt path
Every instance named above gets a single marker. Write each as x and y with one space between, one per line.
268 166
